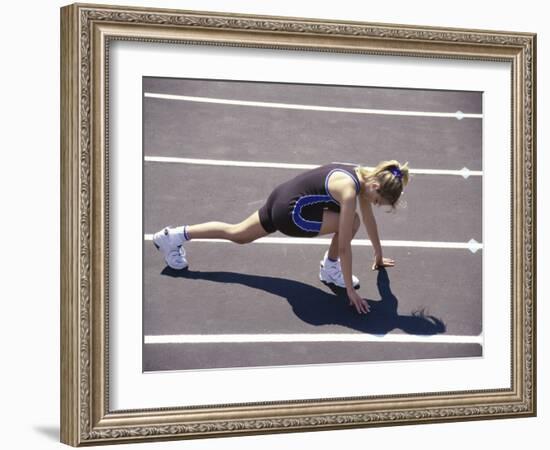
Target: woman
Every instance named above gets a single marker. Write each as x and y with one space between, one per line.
317 202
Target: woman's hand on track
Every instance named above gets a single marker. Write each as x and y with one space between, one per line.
383 262
360 304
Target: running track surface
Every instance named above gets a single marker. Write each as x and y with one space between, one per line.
262 304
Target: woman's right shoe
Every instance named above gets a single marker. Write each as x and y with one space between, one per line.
171 245
331 273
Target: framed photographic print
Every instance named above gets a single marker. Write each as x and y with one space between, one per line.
266 221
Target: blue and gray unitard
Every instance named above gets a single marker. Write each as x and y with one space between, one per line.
295 208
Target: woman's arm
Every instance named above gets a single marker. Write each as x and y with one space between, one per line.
345 234
344 192
372 231
370 226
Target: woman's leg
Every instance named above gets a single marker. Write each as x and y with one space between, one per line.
330 272
243 232
170 240
331 222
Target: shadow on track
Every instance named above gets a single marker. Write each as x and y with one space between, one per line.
318 307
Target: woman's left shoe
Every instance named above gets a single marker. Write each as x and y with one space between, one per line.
331 273
170 244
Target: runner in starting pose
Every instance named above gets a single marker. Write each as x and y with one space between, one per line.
317 202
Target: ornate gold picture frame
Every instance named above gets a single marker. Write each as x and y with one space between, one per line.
87 32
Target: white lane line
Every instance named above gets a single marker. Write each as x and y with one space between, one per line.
388 112
464 172
472 245
312 337
221 162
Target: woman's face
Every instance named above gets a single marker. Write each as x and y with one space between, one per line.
373 196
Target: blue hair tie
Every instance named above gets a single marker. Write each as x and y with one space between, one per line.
396 171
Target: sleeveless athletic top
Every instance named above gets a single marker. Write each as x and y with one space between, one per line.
312 187
296 206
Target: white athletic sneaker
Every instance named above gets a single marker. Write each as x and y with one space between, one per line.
171 245
331 273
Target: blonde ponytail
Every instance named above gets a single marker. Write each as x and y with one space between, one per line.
391 176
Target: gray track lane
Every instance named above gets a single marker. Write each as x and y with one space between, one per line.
207 356
275 288
214 131
180 193
264 288
321 95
